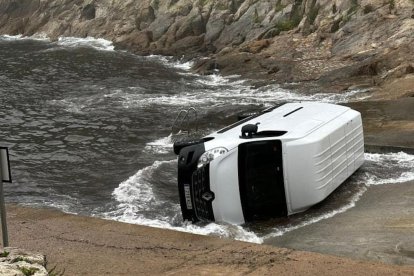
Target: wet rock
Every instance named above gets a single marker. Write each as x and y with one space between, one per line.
188 44
256 46
216 24
192 26
145 18
160 25
88 12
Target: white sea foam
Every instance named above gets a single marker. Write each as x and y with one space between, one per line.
135 196
171 62
96 43
38 37
233 86
161 146
230 87
10 37
282 230
212 229
138 187
388 168
217 90
145 100
129 215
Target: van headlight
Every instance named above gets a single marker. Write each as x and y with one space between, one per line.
210 155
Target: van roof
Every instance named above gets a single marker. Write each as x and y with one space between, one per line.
296 119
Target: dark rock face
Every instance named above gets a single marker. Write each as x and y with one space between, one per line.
280 40
88 12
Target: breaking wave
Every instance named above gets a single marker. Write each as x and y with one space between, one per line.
160 146
218 91
96 43
70 42
172 62
37 37
136 198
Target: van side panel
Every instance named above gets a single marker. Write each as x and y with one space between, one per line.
321 161
355 138
307 163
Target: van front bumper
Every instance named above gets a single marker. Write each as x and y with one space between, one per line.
194 185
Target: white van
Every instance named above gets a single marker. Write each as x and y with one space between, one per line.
275 163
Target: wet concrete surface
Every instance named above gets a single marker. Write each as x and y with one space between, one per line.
388 122
91 246
379 228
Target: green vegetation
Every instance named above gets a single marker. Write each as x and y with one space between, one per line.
28 271
4 254
287 25
391 4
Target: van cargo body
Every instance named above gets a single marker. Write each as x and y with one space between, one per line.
275 163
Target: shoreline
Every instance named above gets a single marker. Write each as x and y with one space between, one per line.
93 246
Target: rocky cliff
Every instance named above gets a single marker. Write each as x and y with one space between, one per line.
333 44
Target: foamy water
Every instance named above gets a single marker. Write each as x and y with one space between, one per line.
38 37
70 42
96 43
136 198
218 90
160 146
172 62
209 90
135 193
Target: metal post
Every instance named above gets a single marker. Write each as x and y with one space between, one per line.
3 210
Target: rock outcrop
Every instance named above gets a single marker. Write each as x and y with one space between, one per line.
336 44
16 262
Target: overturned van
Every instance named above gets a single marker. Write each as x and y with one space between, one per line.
275 163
